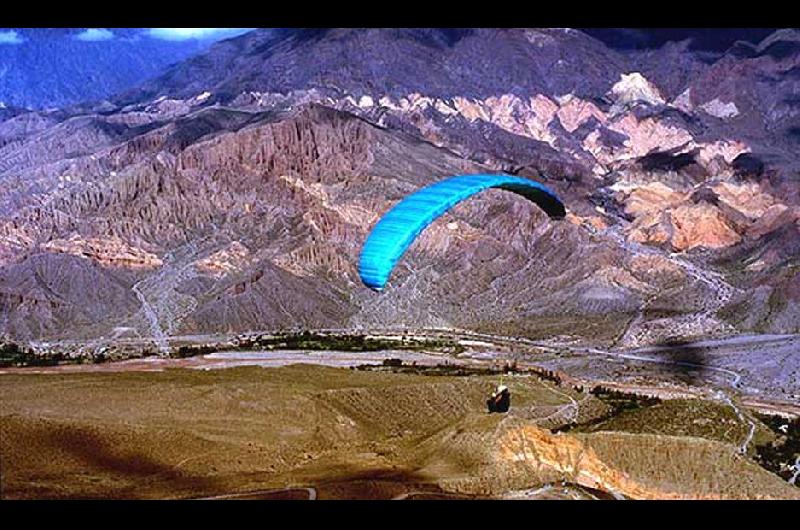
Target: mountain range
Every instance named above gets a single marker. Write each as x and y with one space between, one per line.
232 192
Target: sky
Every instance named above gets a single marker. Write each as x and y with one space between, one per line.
195 33
10 37
15 36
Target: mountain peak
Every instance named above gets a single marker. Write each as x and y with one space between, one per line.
635 88
440 62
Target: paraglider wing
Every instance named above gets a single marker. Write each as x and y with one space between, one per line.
395 232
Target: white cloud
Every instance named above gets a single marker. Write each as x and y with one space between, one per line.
94 35
10 37
195 33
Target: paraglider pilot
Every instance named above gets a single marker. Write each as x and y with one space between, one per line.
500 400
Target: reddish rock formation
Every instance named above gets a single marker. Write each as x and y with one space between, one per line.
110 252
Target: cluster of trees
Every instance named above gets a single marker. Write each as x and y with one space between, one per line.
623 400
549 375
779 455
200 349
12 354
308 340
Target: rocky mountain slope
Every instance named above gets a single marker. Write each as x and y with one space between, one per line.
234 191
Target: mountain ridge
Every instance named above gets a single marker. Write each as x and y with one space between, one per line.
232 193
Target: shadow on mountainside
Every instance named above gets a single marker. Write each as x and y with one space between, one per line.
685 361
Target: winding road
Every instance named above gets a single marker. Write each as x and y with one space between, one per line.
259 494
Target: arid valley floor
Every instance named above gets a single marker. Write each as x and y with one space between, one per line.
680 421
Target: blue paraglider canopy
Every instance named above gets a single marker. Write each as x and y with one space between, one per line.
395 232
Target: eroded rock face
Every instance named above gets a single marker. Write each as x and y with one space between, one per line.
748 198
530 446
717 216
233 258
686 227
61 295
109 252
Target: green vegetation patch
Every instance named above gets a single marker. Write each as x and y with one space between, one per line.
616 403
680 417
781 453
308 340
11 354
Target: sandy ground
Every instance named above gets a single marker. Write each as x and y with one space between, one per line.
173 429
